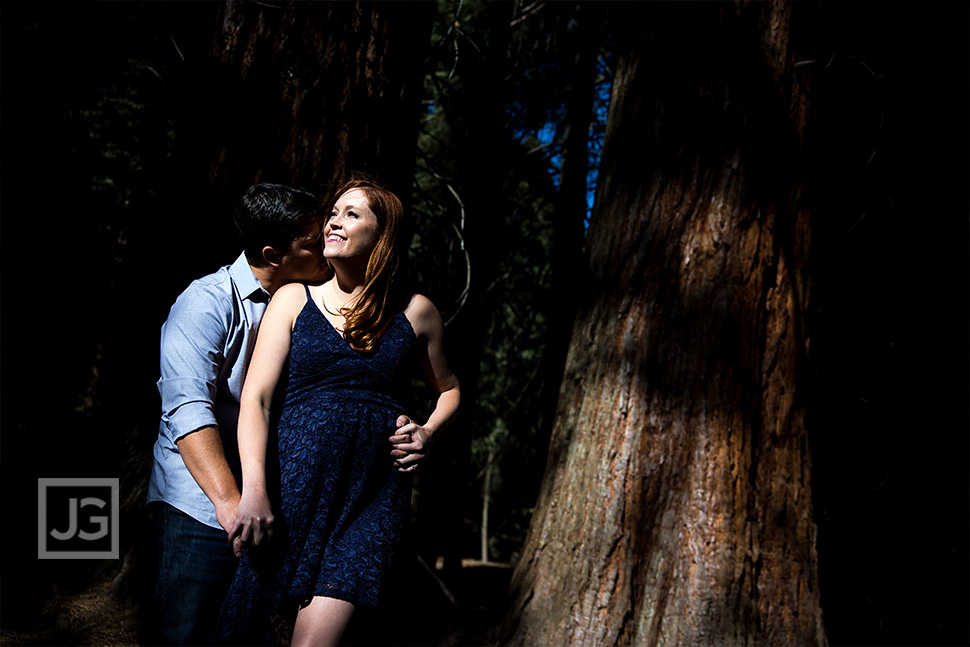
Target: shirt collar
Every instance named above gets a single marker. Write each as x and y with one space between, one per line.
246 281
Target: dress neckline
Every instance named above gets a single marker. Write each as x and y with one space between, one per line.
326 319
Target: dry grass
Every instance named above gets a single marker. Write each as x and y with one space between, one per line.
102 615
105 612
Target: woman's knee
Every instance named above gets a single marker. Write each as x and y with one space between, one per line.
322 623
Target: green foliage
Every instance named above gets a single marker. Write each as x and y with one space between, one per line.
123 144
119 137
506 287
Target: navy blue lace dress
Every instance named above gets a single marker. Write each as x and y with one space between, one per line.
341 505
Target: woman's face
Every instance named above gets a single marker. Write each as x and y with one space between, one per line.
352 231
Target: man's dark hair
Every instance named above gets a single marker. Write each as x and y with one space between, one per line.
272 214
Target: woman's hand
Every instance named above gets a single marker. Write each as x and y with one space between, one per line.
409 444
254 522
411 440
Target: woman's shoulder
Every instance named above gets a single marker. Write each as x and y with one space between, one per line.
290 298
291 292
422 313
419 304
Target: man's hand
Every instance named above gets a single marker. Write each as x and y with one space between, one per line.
204 456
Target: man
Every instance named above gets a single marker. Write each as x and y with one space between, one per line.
206 344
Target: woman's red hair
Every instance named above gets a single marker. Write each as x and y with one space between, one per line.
371 313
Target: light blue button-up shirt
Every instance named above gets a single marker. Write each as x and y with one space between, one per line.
206 345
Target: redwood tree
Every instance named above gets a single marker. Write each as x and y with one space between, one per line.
676 505
300 93
308 91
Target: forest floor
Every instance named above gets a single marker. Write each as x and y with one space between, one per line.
100 612
106 611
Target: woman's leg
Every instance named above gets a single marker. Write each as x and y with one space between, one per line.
322 622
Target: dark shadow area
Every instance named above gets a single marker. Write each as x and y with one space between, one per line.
888 424
89 271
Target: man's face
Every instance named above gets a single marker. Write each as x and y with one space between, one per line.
304 259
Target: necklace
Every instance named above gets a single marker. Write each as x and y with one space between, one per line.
340 310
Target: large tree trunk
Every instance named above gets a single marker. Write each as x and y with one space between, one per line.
319 89
300 93
676 506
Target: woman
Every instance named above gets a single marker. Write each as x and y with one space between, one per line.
347 347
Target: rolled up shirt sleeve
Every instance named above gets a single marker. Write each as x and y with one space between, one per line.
193 343
206 343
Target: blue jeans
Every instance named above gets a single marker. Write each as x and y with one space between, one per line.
194 566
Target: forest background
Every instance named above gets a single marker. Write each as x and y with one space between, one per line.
124 142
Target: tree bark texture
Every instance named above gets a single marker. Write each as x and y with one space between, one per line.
676 504
320 89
